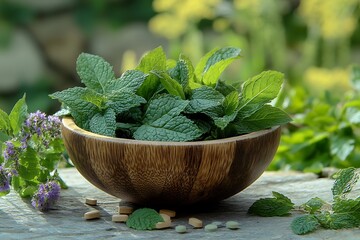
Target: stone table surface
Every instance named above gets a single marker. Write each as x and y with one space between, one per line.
19 220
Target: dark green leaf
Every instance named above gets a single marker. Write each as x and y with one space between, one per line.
270 207
203 99
18 115
94 72
304 224
130 81
123 101
264 118
338 220
314 204
224 88
351 206
345 181
104 124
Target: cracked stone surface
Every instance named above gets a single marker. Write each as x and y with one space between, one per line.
19 220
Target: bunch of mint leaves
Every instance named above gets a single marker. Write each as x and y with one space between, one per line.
171 100
342 212
31 148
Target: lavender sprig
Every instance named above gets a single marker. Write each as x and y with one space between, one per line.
46 196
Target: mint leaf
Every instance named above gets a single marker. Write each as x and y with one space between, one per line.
204 98
350 206
304 224
163 121
183 71
341 146
212 65
104 124
171 85
164 105
224 88
259 90
345 181
129 81
153 60
123 101
94 72
231 102
4 122
314 205
224 121
144 219
265 117
18 115
77 100
270 207
338 220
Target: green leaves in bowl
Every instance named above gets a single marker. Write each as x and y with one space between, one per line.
171 100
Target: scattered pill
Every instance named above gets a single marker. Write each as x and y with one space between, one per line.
165 217
91 201
125 210
211 228
120 218
92 215
168 212
195 222
232 225
162 225
180 229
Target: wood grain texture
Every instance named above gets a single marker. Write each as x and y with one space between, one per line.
170 173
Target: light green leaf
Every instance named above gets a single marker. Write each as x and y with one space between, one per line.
204 98
4 122
129 81
341 146
264 118
29 167
123 101
104 124
28 191
304 224
212 65
153 60
260 90
94 72
231 102
18 115
345 181
355 77
353 114
171 85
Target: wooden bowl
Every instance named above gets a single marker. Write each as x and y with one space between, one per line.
170 173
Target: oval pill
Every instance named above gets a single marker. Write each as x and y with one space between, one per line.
180 229
92 215
210 228
232 225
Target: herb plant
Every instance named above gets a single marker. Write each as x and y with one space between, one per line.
31 147
325 131
342 212
168 100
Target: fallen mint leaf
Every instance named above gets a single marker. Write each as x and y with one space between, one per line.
304 224
144 219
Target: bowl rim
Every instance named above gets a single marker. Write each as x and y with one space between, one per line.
70 124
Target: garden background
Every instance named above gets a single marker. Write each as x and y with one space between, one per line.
315 43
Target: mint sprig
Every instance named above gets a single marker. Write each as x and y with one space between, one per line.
341 213
136 105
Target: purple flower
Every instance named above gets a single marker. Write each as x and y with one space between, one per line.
46 196
10 152
4 180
